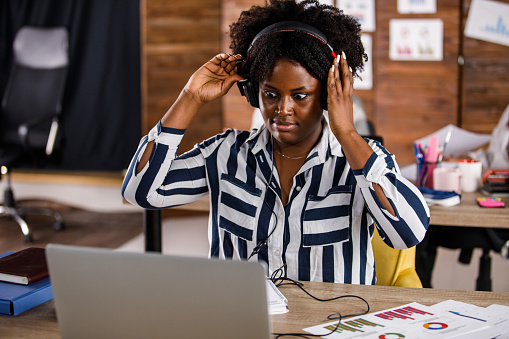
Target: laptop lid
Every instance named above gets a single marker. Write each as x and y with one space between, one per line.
101 293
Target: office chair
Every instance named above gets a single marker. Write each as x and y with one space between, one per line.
466 239
394 267
30 111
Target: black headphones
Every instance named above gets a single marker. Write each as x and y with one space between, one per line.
250 89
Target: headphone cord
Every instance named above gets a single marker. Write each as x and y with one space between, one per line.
263 243
279 280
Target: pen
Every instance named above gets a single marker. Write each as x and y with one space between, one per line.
446 141
466 316
418 154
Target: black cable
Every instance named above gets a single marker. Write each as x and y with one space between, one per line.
279 280
277 275
263 242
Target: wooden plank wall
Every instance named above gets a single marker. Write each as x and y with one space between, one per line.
177 37
409 99
485 81
414 98
237 113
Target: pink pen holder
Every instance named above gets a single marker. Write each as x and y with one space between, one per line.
425 173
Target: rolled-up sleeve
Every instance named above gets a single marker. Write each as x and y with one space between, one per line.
165 180
408 227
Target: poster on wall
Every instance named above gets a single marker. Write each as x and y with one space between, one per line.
365 80
416 39
362 10
489 21
417 6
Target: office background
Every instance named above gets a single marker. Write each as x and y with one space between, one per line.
409 99
101 107
132 57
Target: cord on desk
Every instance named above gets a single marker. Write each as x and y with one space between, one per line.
279 278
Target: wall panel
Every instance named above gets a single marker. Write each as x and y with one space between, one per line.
409 99
415 98
177 38
485 81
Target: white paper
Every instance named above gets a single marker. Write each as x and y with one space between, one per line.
460 143
495 316
417 6
367 74
489 21
413 320
416 39
362 10
276 301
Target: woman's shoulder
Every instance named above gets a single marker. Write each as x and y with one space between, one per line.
229 136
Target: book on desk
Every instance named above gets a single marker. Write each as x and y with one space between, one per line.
16 298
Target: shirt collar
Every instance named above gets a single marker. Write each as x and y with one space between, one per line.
327 146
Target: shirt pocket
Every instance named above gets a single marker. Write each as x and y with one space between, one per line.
326 219
238 207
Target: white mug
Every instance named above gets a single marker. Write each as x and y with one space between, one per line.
471 172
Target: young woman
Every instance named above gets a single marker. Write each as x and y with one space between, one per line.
302 192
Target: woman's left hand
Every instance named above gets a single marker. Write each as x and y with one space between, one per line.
340 97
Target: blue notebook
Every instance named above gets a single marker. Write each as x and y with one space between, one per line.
16 299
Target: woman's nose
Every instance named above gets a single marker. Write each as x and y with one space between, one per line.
285 106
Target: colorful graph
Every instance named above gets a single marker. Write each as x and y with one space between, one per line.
435 326
402 313
391 336
355 325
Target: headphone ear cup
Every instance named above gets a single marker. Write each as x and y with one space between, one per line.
323 99
246 87
251 91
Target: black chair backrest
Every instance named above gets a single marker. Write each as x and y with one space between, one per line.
36 83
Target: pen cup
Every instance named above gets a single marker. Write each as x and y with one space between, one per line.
425 173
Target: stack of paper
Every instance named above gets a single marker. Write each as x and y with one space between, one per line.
449 319
275 299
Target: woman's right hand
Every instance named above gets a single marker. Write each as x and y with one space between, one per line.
214 79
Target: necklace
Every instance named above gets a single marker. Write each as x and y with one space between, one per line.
287 157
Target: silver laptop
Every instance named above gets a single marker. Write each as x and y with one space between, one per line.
102 293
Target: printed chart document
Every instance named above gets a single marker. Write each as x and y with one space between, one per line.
407 321
495 316
278 304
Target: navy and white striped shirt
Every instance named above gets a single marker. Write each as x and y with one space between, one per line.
322 234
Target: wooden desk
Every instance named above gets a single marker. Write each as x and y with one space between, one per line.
40 322
469 214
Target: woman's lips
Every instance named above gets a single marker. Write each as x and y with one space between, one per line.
284 125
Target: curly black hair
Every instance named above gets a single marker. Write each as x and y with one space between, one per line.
341 30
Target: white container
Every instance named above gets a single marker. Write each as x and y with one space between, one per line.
447 179
471 172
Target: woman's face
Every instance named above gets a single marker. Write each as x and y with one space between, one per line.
290 105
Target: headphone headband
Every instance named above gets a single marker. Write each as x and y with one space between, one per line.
250 89
293 26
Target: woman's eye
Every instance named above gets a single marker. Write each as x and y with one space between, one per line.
270 95
300 96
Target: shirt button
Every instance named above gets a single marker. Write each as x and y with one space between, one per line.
277 253
298 188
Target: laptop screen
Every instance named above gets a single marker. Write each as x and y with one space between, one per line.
101 293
